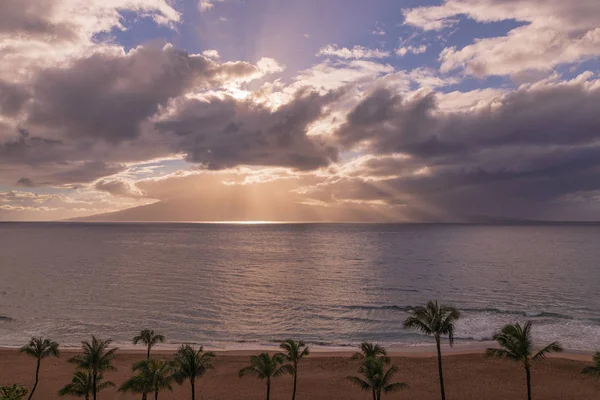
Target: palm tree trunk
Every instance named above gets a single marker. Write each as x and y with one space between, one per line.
37 375
528 373
268 389
156 395
193 389
144 396
379 394
295 377
374 395
440 370
148 353
94 384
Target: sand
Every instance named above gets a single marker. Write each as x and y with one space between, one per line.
468 376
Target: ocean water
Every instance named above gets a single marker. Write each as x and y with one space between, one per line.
230 286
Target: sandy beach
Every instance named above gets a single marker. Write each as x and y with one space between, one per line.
468 375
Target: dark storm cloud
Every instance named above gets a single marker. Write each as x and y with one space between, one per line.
533 147
28 149
222 133
106 97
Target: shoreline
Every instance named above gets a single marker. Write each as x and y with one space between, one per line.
425 351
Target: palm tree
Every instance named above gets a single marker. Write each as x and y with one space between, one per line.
267 368
40 348
14 392
294 352
377 379
595 370
192 364
96 358
149 338
82 385
437 321
517 345
370 350
153 376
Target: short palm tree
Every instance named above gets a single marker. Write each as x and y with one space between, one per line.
376 378
153 376
82 385
192 364
96 359
149 338
267 368
294 352
595 370
516 344
14 392
437 321
370 350
40 348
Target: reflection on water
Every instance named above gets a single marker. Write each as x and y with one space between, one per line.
329 284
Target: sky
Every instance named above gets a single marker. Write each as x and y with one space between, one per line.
300 110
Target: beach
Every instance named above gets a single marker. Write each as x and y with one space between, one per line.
468 376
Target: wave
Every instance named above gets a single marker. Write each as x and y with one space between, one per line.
487 310
6 319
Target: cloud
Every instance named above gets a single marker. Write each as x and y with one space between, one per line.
205 5
212 54
226 132
119 187
554 33
534 146
357 52
402 51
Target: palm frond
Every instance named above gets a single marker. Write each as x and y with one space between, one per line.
394 387
359 382
553 347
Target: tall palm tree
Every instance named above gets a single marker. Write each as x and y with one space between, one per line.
267 368
517 345
149 338
153 376
294 352
370 350
595 370
437 321
40 348
96 358
376 378
82 385
192 364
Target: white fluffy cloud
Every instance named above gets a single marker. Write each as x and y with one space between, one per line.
554 32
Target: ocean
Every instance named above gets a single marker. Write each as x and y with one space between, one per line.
232 286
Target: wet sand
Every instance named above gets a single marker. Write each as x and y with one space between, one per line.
468 376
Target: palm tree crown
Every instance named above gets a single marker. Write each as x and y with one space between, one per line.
149 338
82 385
192 364
40 348
595 370
434 320
370 350
516 344
153 376
376 378
266 368
96 358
